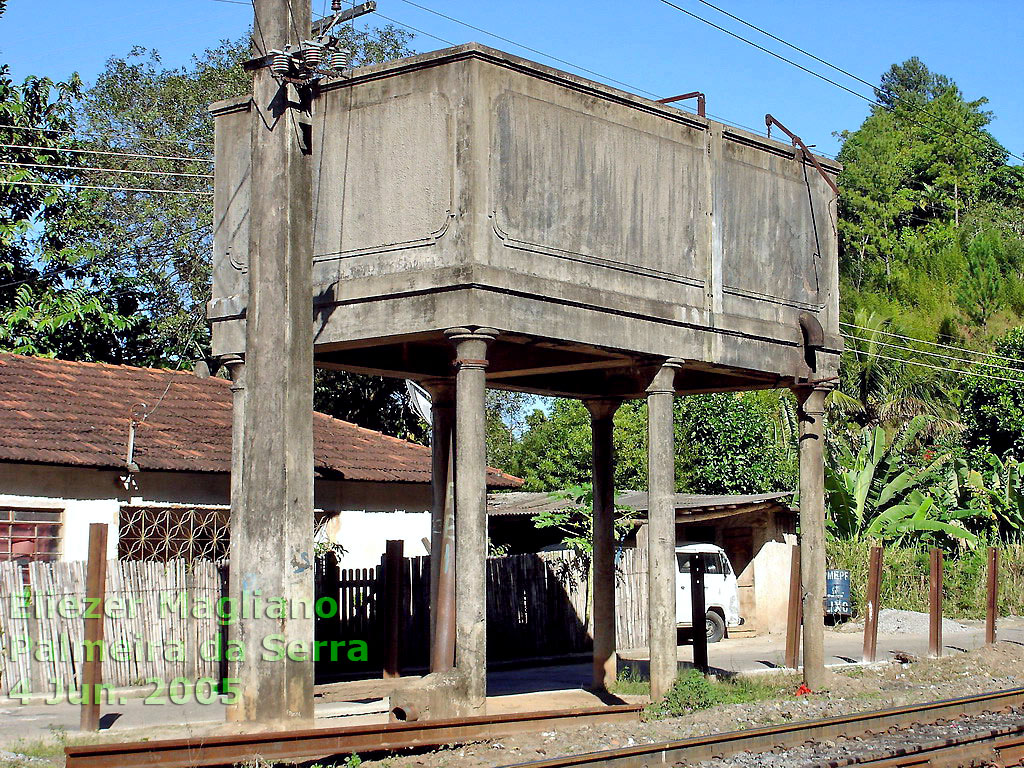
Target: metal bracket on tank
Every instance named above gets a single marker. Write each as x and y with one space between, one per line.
798 144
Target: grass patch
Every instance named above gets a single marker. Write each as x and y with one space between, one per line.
630 683
693 691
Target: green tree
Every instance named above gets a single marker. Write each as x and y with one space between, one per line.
733 443
724 444
910 81
877 389
47 305
980 292
146 253
993 408
923 176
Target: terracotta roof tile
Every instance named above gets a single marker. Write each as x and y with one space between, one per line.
77 414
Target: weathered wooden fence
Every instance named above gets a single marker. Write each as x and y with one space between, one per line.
158 624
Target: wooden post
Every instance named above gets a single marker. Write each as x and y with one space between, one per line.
92 667
795 615
992 601
393 560
698 609
871 619
935 604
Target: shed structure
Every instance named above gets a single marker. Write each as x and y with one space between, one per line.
481 220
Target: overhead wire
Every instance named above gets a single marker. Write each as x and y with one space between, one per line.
830 65
109 153
931 343
103 187
87 135
789 61
937 355
107 170
943 369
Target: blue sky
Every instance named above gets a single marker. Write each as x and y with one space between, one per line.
644 43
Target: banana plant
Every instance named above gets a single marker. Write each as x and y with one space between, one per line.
997 493
919 514
861 485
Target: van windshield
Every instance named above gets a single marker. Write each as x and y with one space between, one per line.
713 562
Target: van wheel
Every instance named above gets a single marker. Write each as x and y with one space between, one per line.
715 625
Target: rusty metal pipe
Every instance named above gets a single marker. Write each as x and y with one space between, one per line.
701 101
798 144
795 613
871 619
992 601
935 603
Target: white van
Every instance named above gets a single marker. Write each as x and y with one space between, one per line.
721 598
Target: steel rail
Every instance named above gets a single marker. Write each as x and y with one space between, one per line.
700 748
1003 747
314 743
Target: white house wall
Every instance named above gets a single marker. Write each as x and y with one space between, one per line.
366 514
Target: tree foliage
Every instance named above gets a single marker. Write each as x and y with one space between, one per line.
993 408
927 195
48 305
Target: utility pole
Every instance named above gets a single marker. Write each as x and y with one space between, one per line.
273 530
272 525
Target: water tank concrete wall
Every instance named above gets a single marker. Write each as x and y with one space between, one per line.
471 187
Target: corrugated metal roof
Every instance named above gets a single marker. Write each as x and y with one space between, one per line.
532 503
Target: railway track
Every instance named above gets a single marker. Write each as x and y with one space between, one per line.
1001 746
314 743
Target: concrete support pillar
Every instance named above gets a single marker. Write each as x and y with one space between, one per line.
471 511
661 529
602 412
442 525
236 369
811 411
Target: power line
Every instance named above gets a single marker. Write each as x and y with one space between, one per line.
110 153
938 355
88 135
944 370
528 48
799 66
852 76
932 343
720 118
106 188
107 170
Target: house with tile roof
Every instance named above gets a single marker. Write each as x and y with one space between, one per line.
148 451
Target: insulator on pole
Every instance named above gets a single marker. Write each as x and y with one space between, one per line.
280 63
312 54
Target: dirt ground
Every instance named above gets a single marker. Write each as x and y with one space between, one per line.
855 689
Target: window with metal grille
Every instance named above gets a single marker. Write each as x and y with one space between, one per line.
29 533
166 532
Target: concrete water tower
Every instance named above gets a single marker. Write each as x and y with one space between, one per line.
485 221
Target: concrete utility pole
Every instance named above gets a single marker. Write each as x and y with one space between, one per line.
811 412
272 532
